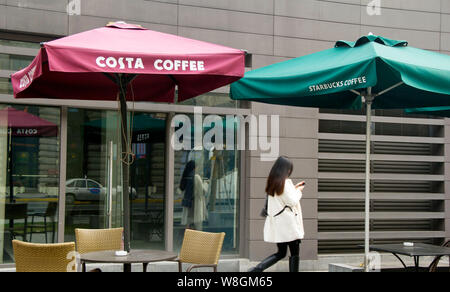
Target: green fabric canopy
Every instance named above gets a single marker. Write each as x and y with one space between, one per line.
325 79
440 111
383 73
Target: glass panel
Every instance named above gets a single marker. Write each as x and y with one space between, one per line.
93 185
90 188
4 62
14 62
10 43
5 86
206 189
81 183
212 100
29 184
147 179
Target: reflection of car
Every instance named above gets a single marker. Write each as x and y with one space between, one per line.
84 189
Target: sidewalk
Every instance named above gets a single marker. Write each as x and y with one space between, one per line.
242 265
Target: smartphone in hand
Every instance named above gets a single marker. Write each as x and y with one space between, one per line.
300 184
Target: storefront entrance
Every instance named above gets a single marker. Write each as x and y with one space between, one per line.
93 188
70 178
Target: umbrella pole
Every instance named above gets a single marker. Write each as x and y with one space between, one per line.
10 165
125 167
125 175
368 99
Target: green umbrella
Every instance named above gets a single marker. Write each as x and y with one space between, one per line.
383 73
140 122
440 111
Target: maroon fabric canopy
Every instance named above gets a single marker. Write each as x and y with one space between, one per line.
74 67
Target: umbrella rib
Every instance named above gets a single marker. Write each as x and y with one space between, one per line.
355 92
173 79
110 77
390 88
381 92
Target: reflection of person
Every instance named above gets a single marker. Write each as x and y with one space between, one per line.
284 223
194 201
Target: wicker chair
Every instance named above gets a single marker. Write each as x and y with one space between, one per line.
33 257
201 249
434 265
90 240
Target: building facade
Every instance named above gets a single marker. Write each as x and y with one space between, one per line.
411 200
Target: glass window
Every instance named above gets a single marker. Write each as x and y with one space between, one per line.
94 153
29 175
5 86
14 62
207 191
80 183
148 181
93 185
93 136
212 100
10 43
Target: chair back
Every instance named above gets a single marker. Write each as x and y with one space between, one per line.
51 209
33 257
16 211
90 240
201 248
434 265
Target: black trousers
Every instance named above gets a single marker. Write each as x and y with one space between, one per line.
294 248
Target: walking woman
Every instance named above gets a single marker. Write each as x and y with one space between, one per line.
284 222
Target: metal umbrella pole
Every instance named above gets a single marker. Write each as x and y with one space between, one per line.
9 148
122 81
368 100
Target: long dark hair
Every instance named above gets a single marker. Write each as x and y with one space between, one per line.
281 170
188 173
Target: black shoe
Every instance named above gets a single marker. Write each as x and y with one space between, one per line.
294 263
265 264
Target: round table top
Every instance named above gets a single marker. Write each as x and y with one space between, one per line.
135 256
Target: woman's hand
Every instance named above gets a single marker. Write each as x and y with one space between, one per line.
300 186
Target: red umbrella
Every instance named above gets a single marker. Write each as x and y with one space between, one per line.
127 62
83 65
23 124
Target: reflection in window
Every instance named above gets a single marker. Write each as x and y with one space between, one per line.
29 175
207 194
212 100
93 134
5 86
14 62
19 44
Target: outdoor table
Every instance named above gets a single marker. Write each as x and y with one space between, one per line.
135 256
416 251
